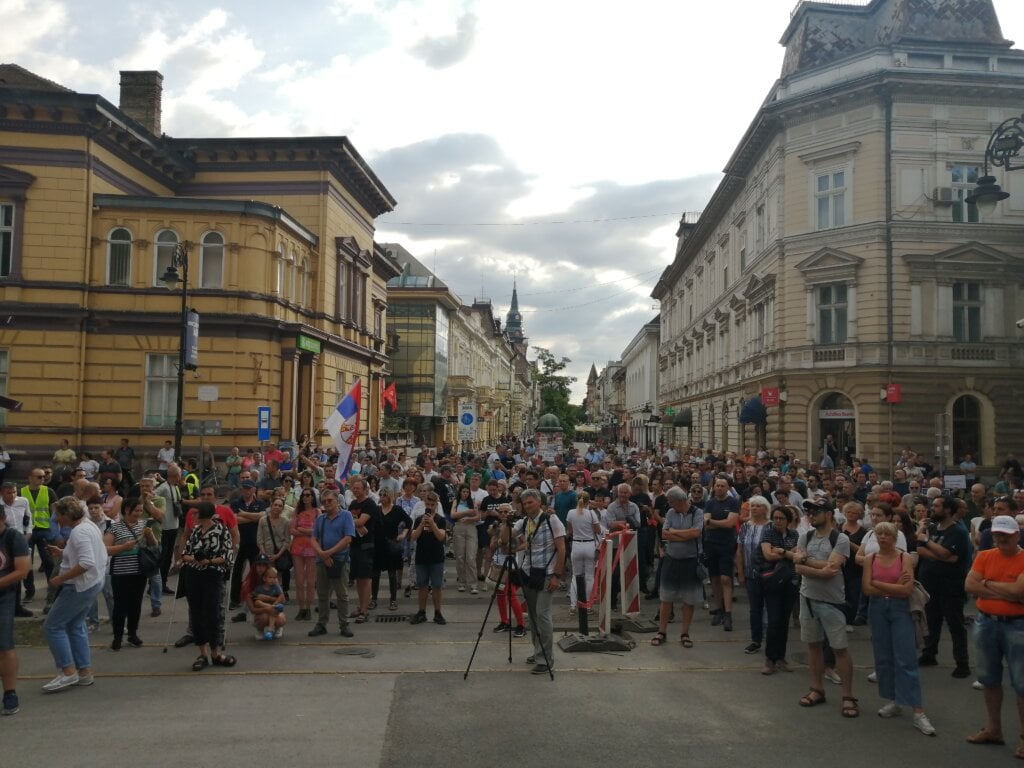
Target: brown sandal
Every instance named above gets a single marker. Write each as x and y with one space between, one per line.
985 736
685 640
812 698
658 639
850 708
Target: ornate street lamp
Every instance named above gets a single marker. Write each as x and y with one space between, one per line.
1003 149
171 279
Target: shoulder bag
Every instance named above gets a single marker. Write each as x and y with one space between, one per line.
284 560
149 557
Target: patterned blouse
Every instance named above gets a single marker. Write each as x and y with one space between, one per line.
214 542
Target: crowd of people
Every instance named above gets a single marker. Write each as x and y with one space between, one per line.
823 547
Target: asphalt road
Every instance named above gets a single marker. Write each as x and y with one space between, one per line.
404 702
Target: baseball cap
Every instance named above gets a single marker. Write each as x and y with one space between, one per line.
813 506
248 484
1004 524
262 560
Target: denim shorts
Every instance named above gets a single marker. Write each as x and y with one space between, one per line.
994 641
430 575
7 603
820 620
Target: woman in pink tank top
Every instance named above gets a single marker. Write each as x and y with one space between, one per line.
888 580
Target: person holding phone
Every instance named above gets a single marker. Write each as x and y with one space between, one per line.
127 581
429 535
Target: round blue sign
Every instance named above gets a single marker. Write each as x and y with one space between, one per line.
467 419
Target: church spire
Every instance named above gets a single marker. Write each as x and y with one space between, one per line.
514 320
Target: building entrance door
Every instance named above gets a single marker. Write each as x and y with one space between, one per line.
837 429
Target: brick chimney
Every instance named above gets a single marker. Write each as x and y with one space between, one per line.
140 97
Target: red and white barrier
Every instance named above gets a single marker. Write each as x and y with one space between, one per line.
625 557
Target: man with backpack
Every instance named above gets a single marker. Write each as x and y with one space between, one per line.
819 558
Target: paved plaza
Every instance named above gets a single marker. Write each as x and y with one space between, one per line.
298 701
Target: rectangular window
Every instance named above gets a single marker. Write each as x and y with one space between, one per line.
967 305
832 309
378 323
279 275
743 250
344 286
760 234
4 364
119 262
161 390
963 179
830 198
6 238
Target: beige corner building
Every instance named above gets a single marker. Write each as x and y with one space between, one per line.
838 266
284 273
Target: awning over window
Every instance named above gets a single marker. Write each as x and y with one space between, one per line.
683 418
753 412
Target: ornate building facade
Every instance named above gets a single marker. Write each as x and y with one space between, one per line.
95 203
838 268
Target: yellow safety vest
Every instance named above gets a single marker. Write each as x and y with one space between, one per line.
40 506
192 483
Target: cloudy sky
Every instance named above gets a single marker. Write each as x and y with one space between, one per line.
553 141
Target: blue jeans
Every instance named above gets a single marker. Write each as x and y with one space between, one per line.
65 626
995 641
156 590
895 644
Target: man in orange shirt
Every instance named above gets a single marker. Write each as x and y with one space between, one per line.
997 580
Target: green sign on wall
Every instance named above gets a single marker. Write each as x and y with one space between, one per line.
307 344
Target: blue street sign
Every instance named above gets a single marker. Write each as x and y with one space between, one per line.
263 423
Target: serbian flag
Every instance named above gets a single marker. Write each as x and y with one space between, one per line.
390 396
343 427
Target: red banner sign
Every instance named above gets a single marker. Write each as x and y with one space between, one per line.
769 396
893 393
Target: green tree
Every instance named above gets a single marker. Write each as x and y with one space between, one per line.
554 390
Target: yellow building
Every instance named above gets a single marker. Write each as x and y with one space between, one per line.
283 270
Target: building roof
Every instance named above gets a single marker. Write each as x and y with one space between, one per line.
13 76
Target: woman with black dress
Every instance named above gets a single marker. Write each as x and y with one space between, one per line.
391 534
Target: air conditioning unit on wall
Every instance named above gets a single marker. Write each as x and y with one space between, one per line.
943 196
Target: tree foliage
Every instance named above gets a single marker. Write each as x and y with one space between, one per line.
554 390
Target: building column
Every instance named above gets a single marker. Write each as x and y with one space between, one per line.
289 387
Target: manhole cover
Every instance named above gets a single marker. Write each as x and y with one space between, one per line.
354 651
391 619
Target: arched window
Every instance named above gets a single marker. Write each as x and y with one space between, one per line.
304 284
166 240
279 269
967 428
119 257
211 260
293 291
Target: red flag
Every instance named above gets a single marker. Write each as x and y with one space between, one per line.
390 396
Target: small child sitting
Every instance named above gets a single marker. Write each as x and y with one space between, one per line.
268 606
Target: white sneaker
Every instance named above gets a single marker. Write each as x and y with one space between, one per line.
279 633
60 682
923 724
976 685
849 629
872 677
891 709
833 677
462 588
474 591
258 634
86 680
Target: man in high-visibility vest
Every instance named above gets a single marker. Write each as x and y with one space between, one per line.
39 502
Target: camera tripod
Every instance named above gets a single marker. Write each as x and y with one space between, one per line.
510 571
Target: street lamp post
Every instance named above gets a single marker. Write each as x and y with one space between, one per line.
171 279
1003 150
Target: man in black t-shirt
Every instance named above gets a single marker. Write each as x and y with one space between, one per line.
943 550
428 532
15 563
366 516
721 515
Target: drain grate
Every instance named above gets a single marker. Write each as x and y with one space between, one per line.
392 619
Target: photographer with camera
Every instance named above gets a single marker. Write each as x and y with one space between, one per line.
428 533
541 536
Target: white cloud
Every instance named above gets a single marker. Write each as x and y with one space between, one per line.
26 23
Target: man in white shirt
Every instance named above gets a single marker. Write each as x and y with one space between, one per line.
165 457
15 511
